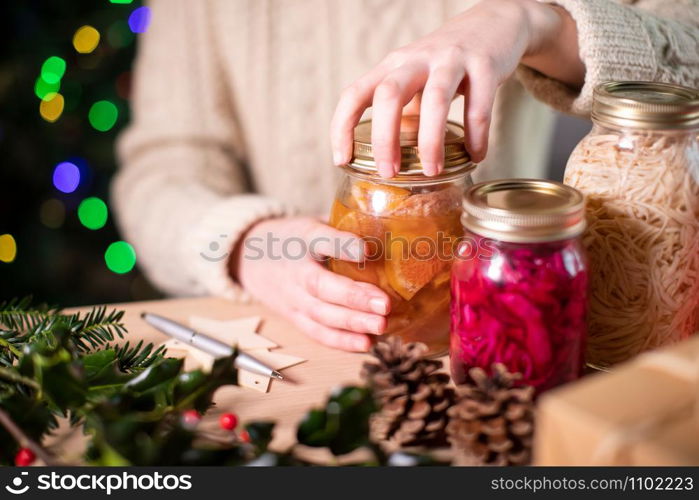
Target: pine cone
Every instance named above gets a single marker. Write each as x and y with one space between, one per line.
492 422
413 398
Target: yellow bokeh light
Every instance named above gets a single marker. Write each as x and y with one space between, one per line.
85 39
8 248
51 107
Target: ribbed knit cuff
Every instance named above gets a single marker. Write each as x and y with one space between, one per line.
614 45
209 245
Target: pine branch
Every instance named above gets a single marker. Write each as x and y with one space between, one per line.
137 357
96 329
19 314
8 345
25 324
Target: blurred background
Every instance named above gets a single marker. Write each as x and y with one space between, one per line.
64 97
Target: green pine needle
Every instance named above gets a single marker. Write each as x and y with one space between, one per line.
137 357
23 323
96 329
20 315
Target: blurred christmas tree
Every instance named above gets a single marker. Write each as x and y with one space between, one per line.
64 90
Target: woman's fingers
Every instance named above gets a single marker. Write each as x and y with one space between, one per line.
391 94
354 100
344 318
389 90
436 99
331 337
478 107
336 289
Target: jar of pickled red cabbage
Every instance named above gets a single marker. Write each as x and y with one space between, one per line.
519 282
410 224
639 170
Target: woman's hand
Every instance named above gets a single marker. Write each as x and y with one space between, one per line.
471 55
279 263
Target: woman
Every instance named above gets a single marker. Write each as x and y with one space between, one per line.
233 98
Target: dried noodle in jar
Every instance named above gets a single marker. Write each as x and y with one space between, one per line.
639 168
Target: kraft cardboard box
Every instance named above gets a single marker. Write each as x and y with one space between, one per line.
644 412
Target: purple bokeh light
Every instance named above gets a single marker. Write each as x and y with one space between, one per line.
139 20
66 177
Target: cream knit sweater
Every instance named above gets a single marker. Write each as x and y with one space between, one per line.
233 99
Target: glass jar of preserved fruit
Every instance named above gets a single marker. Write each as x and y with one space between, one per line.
519 282
639 170
410 224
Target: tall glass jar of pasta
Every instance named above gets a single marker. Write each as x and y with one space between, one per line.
639 168
410 224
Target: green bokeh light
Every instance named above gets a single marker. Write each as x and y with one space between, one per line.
43 88
53 69
121 1
92 213
103 115
120 257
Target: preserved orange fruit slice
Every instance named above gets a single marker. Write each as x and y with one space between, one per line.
412 258
367 272
356 222
378 198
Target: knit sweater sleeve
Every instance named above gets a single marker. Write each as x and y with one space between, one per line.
180 195
648 40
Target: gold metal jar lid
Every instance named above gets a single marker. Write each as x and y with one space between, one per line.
456 158
647 105
524 210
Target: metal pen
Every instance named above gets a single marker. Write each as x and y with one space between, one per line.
208 345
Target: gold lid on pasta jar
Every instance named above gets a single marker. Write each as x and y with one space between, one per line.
456 158
524 210
646 105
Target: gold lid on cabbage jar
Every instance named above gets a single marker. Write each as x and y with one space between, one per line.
456 158
646 105
524 210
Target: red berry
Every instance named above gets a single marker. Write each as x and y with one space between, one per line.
228 421
24 457
245 437
190 418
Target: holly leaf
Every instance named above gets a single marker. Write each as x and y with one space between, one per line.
313 430
64 386
343 425
196 389
97 362
260 433
162 371
61 379
103 374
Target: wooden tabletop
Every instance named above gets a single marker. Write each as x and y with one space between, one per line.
286 402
